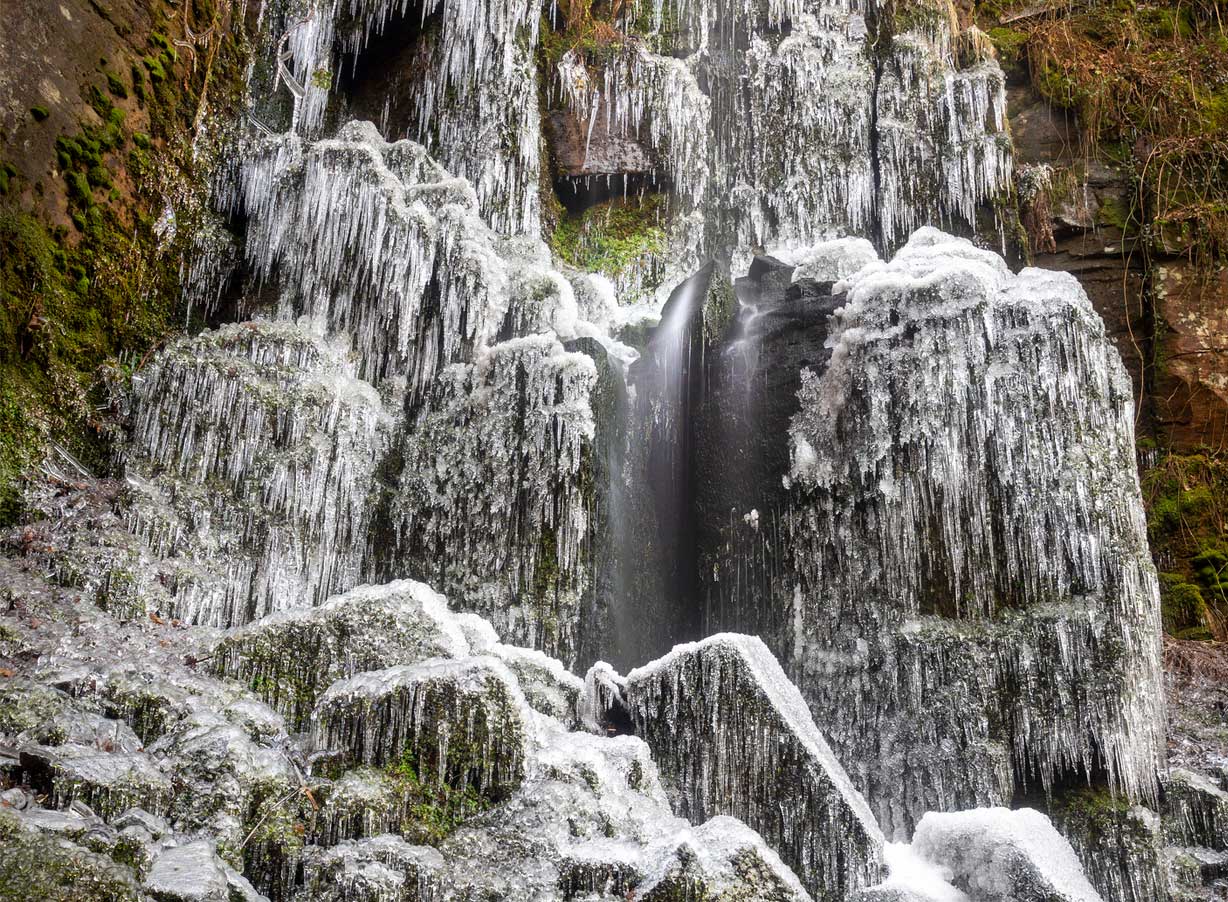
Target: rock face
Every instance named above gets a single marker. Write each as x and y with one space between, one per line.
1191 391
734 737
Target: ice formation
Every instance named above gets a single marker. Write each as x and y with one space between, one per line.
965 597
376 239
493 500
967 524
252 455
807 122
735 737
475 105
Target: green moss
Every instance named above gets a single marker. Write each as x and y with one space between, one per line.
116 85
1187 505
138 82
40 113
7 174
611 237
430 813
1009 43
154 66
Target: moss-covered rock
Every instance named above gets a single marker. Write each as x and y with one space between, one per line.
288 659
458 723
35 865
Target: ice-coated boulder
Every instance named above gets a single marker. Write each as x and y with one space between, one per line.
41 862
289 658
495 495
108 782
733 736
968 601
999 855
722 860
383 868
225 780
458 723
188 873
548 686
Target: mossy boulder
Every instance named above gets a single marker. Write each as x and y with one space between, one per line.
457 723
289 658
379 869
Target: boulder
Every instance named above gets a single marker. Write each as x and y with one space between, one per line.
289 658
733 736
999 855
457 723
720 861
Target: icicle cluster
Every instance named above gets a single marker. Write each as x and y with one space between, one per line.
813 126
734 736
475 105
970 543
251 465
942 141
641 92
378 240
492 502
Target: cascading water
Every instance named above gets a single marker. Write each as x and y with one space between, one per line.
653 607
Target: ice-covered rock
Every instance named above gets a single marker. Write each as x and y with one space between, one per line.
547 685
251 466
109 782
472 97
289 658
458 723
383 868
492 504
1195 810
603 708
869 121
1120 844
226 782
999 855
377 240
967 524
734 737
721 860
188 873
911 879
